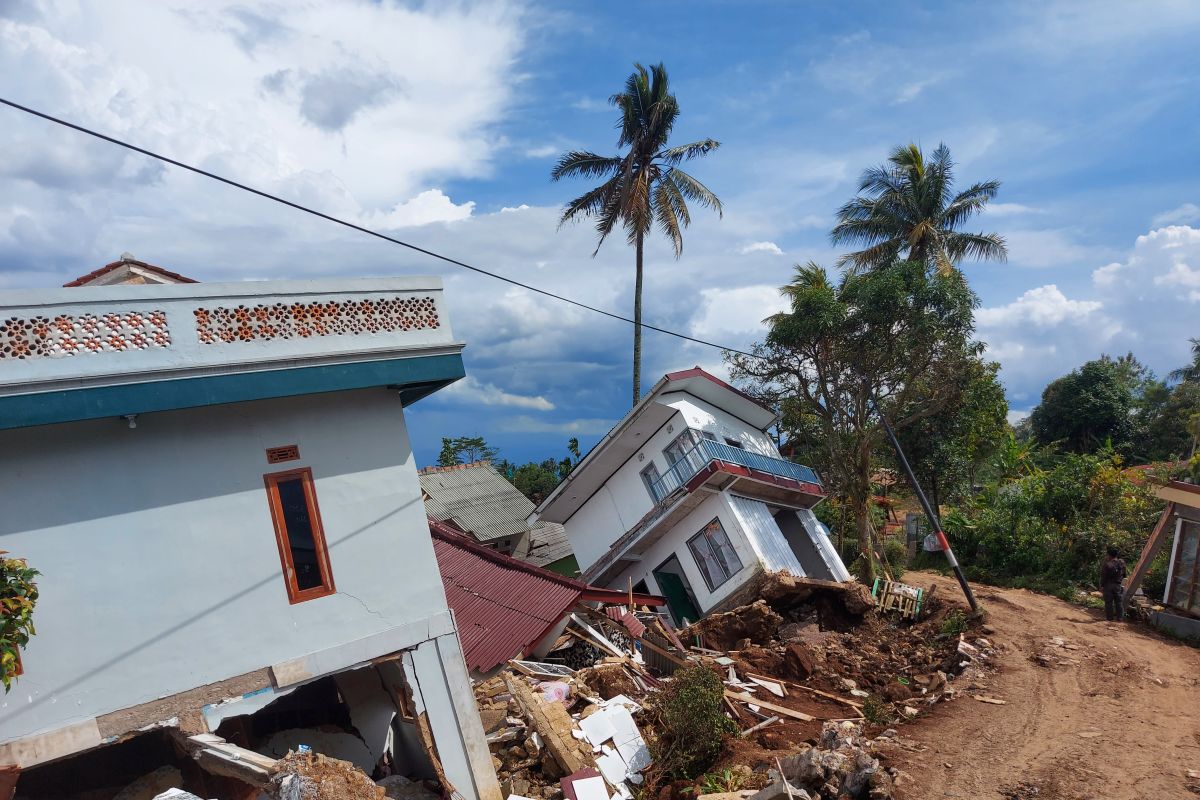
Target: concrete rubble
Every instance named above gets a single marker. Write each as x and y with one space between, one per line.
808 680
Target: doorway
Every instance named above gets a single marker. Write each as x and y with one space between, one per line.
800 540
681 601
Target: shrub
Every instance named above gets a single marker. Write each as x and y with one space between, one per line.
18 595
692 726
877 711
954 624
895 552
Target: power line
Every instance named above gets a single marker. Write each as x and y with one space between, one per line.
359 228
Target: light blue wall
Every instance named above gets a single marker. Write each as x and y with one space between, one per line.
160 570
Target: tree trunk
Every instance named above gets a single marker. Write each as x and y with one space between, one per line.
637 326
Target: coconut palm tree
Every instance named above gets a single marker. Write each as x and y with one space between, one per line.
644 186
908 205
1190 373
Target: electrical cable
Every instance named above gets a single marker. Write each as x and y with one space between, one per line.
359 228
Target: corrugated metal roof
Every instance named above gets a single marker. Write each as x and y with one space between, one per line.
478 499
548 543
502 606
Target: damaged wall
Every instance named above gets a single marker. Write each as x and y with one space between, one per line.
163 533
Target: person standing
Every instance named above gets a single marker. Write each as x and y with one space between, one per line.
1112 579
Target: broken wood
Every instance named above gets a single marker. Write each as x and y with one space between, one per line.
787 787
991 700
759 726
219 757
784 710
557 737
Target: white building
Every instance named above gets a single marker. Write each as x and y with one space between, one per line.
217 485
687 497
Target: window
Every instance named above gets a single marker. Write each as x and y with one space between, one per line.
650 477
734 443
298 531
680 446
712 437
714 554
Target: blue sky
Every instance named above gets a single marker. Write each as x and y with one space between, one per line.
439 122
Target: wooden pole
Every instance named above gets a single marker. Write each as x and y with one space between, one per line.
1153 545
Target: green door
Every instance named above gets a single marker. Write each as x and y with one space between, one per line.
678 601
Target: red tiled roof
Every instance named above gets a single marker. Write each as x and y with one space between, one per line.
503 606
107 268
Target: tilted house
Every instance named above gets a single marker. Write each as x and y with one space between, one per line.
216 483
687 497
1179 529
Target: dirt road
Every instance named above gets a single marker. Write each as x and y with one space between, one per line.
1108 712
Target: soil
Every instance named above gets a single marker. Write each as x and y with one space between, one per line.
1094 710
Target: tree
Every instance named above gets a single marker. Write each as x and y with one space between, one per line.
1190 373
898 336
1087 408
947 449
465 449
907 207
644 186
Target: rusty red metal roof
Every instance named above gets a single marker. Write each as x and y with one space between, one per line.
107 268
504 607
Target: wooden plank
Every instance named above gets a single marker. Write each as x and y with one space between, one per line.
784 710
758 727
774 687
1153 545
818 692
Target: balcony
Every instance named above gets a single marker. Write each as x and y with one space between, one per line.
83 353
710 453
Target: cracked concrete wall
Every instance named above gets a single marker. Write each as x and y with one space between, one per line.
160 569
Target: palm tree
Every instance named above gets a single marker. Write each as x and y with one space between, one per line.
1190 373
645 185
908 205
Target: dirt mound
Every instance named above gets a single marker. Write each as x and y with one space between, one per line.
312 776
608 680
757 622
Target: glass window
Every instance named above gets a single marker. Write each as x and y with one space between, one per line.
734 443
298 532
714 554
650 477
680 446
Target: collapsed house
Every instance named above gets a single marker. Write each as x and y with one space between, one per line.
217 486
505 608
688 497
476 499
1178 527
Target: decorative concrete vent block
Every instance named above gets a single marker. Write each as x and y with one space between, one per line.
69 335
303 320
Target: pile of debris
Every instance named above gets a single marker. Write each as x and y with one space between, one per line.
806 671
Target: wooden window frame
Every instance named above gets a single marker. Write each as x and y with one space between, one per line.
295 593
703 534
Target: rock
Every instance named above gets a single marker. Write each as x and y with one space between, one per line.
859 693
398 787
798 661
757 622
152 784
743 644
176 794
897 692
848 684
909 711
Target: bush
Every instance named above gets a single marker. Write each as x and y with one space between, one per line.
954 624
692 726
895 552
18 595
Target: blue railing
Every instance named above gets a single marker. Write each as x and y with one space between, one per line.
708 451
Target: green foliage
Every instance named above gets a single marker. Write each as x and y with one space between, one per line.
18 596
899 335
895 553
1049 528
692 726
721 782
537 479
1085 409
906 207
953 624
877 711
465 450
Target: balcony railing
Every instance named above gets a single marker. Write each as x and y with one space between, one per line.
708 451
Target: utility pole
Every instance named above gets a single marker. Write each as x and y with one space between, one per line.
934 523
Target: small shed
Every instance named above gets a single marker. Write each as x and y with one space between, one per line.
1179 526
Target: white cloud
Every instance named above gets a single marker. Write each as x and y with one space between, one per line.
471 391
729 315
1185 214
1015 416
1048 248
1045 306
428 206
591 104
761 247
542 151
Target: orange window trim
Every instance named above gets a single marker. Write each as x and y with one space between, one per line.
295 594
